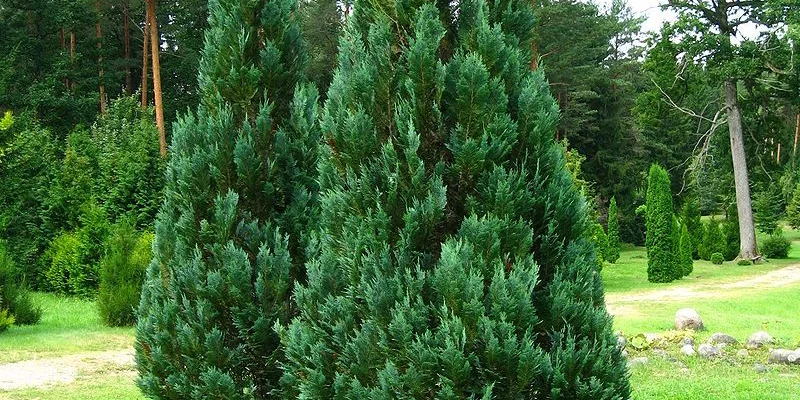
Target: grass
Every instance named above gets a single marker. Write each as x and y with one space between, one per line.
738 313
70 326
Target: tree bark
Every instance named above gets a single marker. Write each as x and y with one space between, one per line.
154 43
126 38
145 55
99 36
72 57
64 51
747 233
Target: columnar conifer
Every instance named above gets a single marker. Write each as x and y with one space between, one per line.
660 240
685 260
452 260
240 193
612 248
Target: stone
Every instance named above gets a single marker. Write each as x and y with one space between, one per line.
709 351
742 353
688 318
652 337
688 350
759 339
625 353
688 340
621 342
784 356
721 338
638 361
760 368
663 354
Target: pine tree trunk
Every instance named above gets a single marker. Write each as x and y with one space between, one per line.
126 47
145 55
63 51
99 36
72 57
154 42
747 233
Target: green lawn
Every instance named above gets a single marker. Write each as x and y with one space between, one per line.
738 312
70 327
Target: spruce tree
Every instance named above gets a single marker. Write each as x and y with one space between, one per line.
793 209
713 240
612 248
691 218
240 193
453 258
685 259
660 240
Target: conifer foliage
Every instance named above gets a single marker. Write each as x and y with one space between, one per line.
661 237
240 189
453 260
612 248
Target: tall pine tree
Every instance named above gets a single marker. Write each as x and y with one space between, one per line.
240 194
453 260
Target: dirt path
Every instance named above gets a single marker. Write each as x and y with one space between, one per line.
62 370
620 303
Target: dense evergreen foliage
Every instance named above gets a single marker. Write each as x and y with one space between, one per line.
452 259
239 203
662 260
16 306
122 271
685 259
713 240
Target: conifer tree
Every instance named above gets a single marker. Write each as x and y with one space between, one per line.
713 240
660 239
685 252
240 192
453 258
793 209
612 248
691 218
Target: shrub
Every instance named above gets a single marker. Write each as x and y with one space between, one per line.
6 319
717 258
775 245
599 239
14 297
744 262
26 173
64 255
793 208
713 240
122 272
661 244
612 248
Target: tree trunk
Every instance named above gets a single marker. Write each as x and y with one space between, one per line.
126 45
154 42
64 51
747 233
99 36
145 55
72 57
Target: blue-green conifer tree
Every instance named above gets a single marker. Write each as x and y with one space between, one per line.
453 260
240 198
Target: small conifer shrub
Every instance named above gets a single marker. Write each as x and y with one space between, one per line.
717 258
122 273
775 245
685 261
613 242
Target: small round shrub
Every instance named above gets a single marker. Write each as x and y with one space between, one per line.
717 258
744 262
776 245
122 272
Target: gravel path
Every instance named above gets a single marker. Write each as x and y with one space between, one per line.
624 303
63 370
